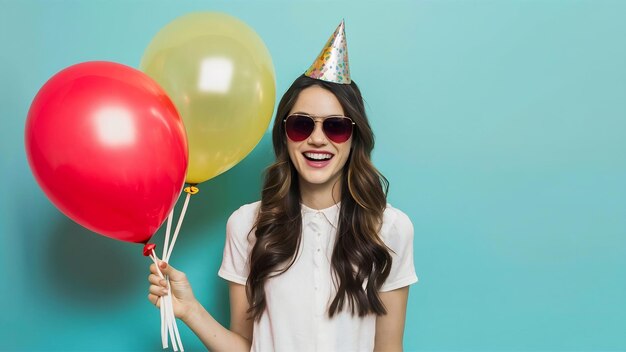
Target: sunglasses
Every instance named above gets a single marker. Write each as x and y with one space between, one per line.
336 128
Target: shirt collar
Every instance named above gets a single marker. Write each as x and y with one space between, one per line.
331 214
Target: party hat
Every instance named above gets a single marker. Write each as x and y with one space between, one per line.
331 64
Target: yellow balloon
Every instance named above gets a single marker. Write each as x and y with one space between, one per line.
220 76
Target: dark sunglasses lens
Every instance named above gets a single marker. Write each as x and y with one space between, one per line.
299 127
338 129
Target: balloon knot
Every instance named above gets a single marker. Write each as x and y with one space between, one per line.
148 248
192 190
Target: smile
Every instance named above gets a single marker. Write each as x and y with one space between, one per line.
317 156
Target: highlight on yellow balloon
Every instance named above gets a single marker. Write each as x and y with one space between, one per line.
219 74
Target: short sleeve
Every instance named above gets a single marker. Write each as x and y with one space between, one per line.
397 233
235 266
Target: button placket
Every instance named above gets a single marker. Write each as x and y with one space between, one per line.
313 227
317 225
317 245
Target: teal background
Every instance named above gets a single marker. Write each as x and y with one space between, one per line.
500 125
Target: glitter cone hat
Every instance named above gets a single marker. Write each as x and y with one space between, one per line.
331 64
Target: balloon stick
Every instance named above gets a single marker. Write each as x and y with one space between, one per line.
190 190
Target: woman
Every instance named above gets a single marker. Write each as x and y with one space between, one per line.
322 262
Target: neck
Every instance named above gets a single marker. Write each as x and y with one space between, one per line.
320 196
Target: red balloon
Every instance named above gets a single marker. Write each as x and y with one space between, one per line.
108 148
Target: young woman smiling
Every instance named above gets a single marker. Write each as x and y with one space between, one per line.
322 262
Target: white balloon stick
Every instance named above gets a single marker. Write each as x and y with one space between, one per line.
180 222
167 233
154 258
173 319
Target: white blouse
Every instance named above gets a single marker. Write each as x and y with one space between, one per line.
296 317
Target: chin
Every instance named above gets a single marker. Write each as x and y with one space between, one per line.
319 179
315 180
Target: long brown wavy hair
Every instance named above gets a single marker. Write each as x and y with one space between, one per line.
359 255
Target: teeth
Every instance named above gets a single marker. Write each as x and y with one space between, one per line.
318 156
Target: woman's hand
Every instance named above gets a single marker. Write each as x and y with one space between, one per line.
183 298
212 334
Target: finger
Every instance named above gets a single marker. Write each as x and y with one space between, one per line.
158 271
172 273
154 300
157 290
156 280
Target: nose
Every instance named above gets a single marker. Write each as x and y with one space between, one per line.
318 137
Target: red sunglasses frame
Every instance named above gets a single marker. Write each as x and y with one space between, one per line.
323 119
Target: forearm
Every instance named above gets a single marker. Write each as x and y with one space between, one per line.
391 348
213 335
